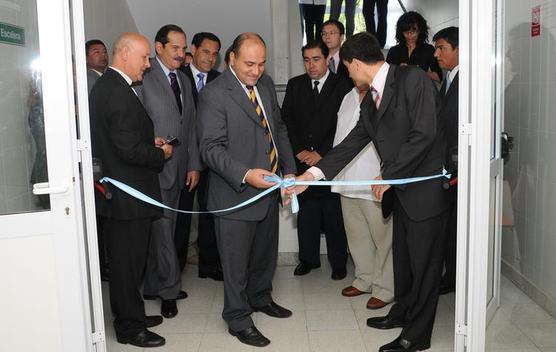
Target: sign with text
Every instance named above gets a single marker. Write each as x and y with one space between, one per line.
11 34
535 21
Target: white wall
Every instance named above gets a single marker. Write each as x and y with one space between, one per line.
529 246
106 19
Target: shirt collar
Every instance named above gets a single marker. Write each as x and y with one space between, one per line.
195 72
452 74
164 68
321 80
379 81
126 77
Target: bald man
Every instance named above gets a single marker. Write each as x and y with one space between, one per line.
123 139
238 106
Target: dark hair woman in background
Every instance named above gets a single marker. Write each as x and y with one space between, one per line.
412 35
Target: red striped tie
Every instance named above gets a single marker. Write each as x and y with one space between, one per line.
272 156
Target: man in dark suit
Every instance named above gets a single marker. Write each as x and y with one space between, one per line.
123 138
333 35
446 43
399 116
310 110
97 61
243 139
166 95
205 48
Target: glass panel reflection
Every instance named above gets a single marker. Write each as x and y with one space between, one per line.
22 138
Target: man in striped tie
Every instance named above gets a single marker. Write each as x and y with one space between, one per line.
242 139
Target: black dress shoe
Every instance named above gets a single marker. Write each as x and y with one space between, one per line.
251 336
385 322
274 310
144 338
215 275
181 295
153 320
402 345
304 269
168 308
338 274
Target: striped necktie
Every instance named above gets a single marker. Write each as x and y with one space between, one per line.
272 155
375 96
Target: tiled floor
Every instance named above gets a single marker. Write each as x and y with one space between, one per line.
324 321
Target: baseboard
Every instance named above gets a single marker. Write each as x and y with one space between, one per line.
530 289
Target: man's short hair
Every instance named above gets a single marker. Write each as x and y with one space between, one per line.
199 37
162 34
227 55
316 44
336 23
449 34
92 42
363 47
238 42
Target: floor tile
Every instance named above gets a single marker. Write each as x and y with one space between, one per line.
336 341
318 320
542 334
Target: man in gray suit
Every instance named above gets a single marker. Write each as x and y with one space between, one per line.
243 139
166 95
97 61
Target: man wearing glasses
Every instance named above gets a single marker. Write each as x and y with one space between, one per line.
333 35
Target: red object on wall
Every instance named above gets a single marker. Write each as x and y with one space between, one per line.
535 21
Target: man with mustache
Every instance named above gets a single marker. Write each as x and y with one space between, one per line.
166 95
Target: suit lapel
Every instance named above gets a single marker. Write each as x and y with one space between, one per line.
160 77
327 87
239 95
452 87
388 93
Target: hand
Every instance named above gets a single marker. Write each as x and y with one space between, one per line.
192 179
283 190
312 158
379 190
159 141
167 149
255 177
302 155
434 76
307 176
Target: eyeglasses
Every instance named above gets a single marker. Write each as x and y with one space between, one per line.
324 34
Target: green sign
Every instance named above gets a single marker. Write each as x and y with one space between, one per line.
11 34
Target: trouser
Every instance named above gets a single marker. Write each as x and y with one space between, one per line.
163 274
249 252
128 242
313 213
335 9
314 16
369 238
418 251
369 14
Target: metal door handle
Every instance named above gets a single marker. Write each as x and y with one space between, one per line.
44 188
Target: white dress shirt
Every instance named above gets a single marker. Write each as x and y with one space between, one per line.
195 72
366 165
378 83
321 81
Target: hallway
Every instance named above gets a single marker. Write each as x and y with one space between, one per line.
324 321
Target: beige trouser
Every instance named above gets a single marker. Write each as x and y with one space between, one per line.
369 238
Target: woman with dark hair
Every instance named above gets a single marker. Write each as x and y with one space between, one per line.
412 35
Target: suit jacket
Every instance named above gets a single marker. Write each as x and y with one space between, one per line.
212 74
123 138
233 140
159 101
343 71
448 116
405 132
92 77
312 122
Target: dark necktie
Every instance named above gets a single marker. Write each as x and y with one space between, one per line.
332 65
272 155
316 89
176 89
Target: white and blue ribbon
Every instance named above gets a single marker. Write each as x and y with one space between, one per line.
279 183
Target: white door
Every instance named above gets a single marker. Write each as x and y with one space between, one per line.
480 171
45 298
